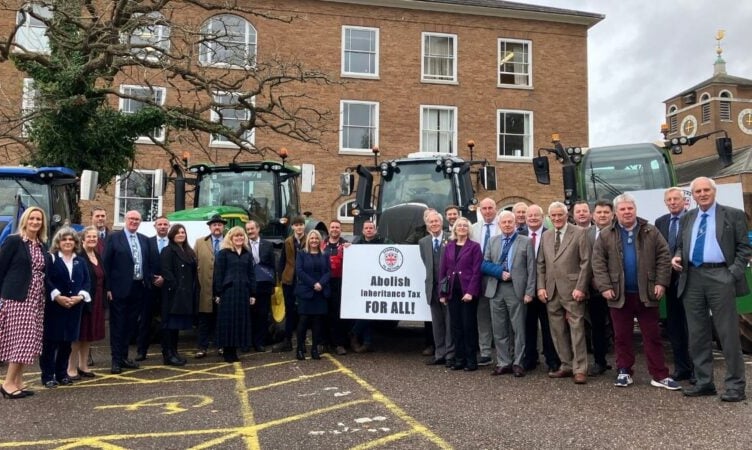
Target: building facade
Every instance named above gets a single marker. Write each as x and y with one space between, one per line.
405 76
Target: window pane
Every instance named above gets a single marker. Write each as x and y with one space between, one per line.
358 126
438 59
514 134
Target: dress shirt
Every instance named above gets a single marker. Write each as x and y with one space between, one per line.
712 250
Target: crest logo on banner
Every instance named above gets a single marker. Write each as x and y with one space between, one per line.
391 259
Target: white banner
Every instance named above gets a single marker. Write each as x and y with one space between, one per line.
384 282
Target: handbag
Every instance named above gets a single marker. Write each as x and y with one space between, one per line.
278 304
263 274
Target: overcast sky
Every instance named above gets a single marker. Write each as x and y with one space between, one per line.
646 51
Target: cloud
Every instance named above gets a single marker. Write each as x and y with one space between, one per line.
646 51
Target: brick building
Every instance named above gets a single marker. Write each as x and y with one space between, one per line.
410 76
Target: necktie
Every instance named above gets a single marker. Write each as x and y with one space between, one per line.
487 236
254 247
505 253
532 236
557 242
698 254
216 246
436 244
672 229
137 274
101 235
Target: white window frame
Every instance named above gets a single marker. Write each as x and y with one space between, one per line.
207 50
434 78
155 39
344 218
156 195
159 94
424 128
373 125
724 106
31 35
527 152
221 141
346 52
28 105
505 60
705 108
673 119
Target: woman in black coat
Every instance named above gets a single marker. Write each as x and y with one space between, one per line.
234 289
179 292
68 285
311 292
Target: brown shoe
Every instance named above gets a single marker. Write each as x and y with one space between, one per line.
501 370
580 378
561 373
518 371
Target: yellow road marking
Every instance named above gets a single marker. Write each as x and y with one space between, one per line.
250 434
292 380
384 440
305 415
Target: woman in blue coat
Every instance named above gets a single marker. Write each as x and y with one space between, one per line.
68 285
460 277
311 292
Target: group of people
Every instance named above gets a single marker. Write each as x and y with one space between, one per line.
500 281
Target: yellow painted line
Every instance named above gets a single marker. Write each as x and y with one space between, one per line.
384 440
391 406
293 380
250 433
305 415
93 443
215 442
120 437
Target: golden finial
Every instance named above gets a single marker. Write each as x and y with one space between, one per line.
719 35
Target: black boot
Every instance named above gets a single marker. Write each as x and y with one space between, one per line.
300 354
174 346
315 353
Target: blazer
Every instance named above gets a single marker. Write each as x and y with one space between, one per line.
205 259
731 234
15 268
567 270
155 255
64 324
118 263
267 260
425 244
653 263
287 259
466 265
521 266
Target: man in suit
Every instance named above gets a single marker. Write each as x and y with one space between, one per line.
206 249
712 256
156 244
676 317
603 213
266 279
631 270
99 220
128 266
535 310
482 232
431 250
520 217
509 265
563 282
336 327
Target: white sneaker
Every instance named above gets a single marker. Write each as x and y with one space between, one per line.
624 379
666 383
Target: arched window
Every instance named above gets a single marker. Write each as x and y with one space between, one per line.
705 102
724 106
32 28
344 211
228 40
673 121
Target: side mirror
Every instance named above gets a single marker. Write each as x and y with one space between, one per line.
308 177
540 166
88 187
346 183
487 175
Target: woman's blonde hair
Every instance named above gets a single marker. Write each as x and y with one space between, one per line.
234 231
42 235
63 233
306 246
454 227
